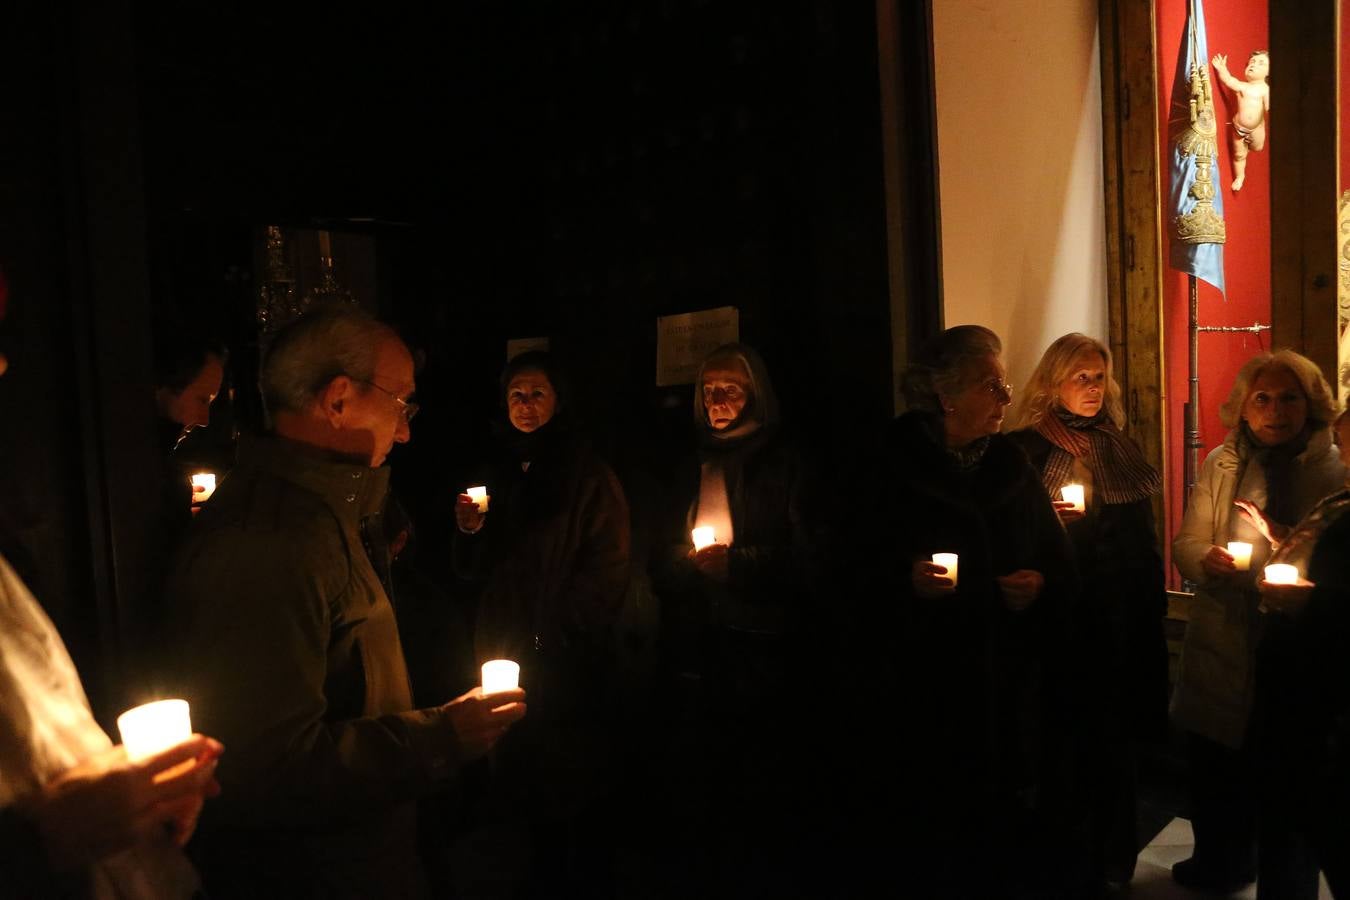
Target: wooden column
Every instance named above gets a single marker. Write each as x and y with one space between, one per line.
1134 233
1303 190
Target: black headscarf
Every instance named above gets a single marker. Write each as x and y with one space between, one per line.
527 447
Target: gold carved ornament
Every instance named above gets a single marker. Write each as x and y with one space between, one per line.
1202 225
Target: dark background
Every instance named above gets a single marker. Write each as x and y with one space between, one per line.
523 169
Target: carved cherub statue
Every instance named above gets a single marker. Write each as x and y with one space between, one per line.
1253 96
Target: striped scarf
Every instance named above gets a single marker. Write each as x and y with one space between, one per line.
1119 471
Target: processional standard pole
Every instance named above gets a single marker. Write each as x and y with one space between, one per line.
1193 444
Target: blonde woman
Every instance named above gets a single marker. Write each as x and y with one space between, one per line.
1071 424
1277 458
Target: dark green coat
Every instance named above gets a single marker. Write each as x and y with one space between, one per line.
289 654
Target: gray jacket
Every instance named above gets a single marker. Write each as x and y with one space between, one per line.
1213 694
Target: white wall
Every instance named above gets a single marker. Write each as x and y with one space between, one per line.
1019 117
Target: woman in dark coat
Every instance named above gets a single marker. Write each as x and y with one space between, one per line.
980 675
551 558
734 615
1069 421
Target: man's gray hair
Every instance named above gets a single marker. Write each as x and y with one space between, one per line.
316 348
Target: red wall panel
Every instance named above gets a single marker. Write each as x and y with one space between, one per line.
1235 27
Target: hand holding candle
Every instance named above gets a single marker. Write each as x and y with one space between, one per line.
203 486
1073 493
935 578
703 536
471 509
948 561
1284 590
108 803
1241 552
480 718
154 727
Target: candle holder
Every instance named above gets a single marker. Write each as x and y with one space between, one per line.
1281 573
203 486
500 675
1073 493
949 562
480 497
703 536
1241 551
153 728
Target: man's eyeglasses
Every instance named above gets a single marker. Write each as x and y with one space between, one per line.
408 408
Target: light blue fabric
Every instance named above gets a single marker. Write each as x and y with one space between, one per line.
1205 261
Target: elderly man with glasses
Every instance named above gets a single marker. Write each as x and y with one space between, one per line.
289 647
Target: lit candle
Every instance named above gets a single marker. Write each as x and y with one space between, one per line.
703 536
1242 555
203 486
1282 573
154 727
479 496
500 675
948 562
1073 493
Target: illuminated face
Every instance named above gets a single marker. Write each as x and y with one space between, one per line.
1083 391
979 408
531 400
1276 408
191 407
726 390
1258 67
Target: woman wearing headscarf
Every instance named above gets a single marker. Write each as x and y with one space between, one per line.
734 614
980 645
550 555
1071 424
1279 459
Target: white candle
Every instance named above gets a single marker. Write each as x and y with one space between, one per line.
479 496
500 675
1241 552
203 486
703 536
1282 573
153 727
948 562
1073 493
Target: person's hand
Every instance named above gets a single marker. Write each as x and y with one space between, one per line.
108 803
1220 62
1021 588
467 516
712 561
1287 599
1271 530
481 719
1218 563
930 580
1068 511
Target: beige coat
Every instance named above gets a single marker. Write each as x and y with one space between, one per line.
1213 695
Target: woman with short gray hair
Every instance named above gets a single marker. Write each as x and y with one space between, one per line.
992 623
